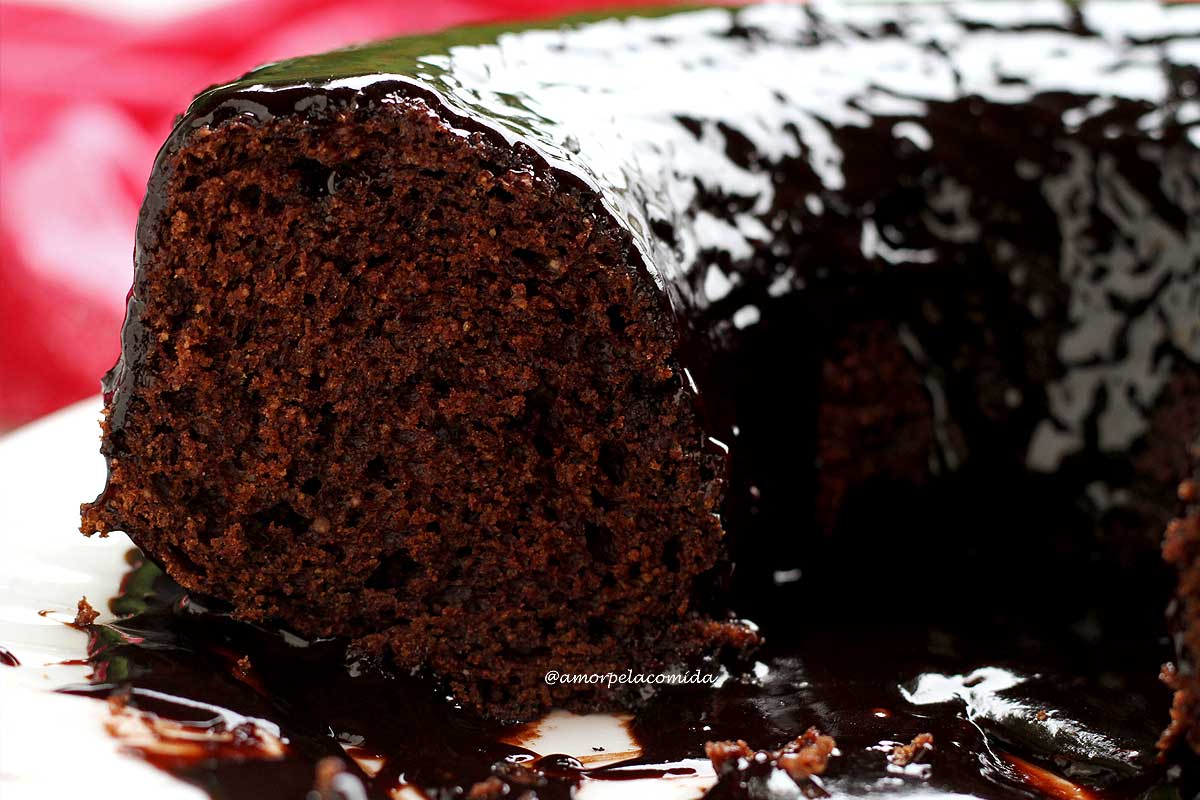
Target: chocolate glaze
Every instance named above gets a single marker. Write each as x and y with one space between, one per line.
1084 711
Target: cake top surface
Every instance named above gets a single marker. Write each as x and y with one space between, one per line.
686 173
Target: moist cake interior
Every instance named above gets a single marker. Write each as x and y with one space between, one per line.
428 392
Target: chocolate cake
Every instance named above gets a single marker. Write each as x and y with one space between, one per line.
492 351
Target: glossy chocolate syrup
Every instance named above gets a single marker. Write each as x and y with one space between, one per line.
1007 713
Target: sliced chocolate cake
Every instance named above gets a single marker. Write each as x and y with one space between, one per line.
490 351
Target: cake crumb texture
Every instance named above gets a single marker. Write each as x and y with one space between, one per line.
401 386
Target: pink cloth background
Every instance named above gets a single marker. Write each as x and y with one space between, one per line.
85 102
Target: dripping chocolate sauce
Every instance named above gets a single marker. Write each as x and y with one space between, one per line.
1009 715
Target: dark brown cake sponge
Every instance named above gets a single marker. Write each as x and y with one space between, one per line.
400 385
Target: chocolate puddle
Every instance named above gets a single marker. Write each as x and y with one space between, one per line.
244 712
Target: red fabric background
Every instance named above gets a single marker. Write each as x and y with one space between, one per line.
85 102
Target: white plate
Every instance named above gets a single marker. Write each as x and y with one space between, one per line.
55 745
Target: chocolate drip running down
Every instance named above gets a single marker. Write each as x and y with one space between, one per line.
928 274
